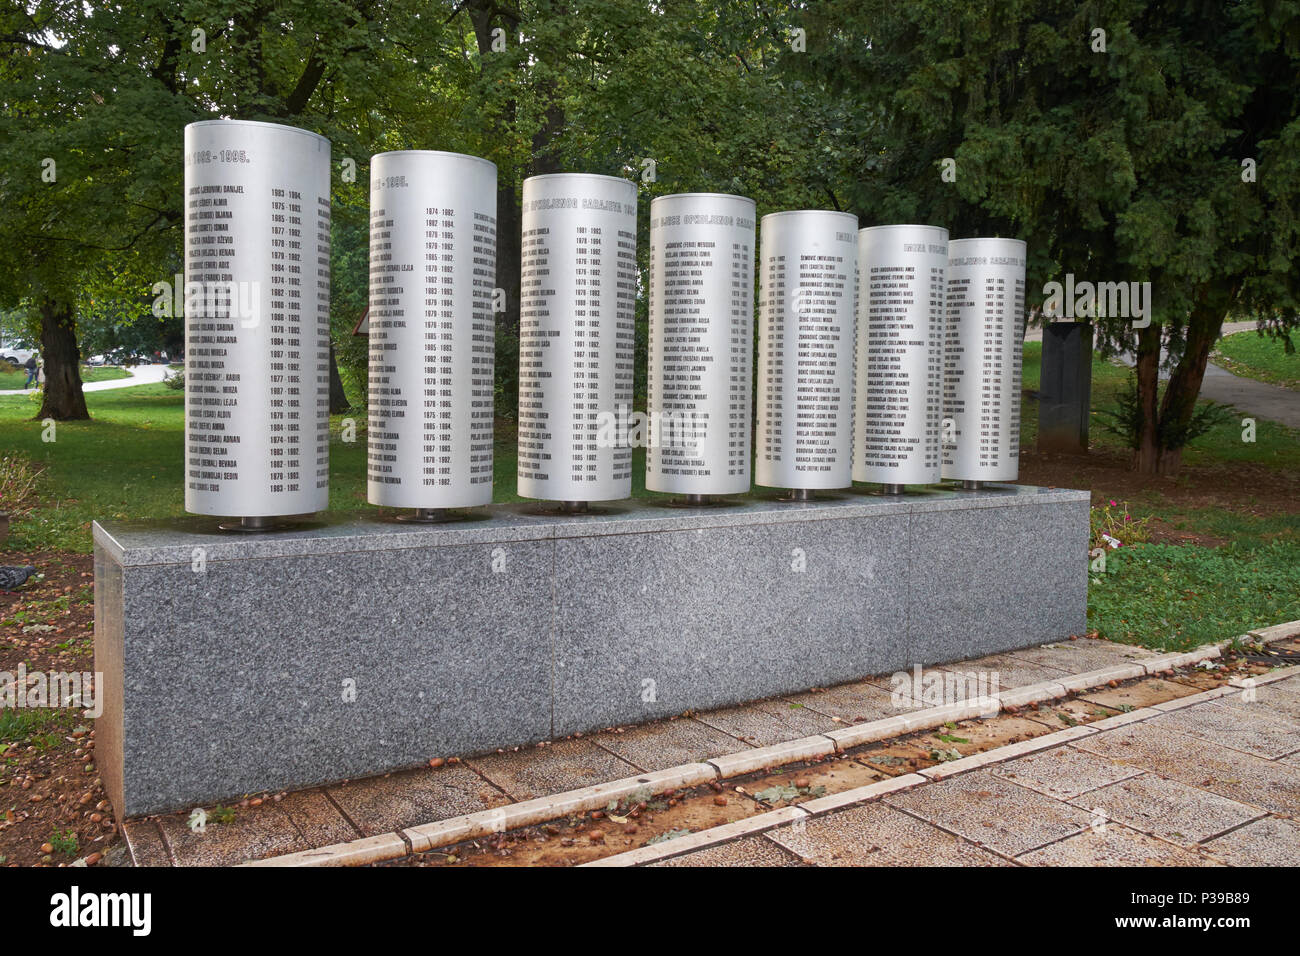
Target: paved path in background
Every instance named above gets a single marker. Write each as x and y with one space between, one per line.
140 375
1219 385
1256 398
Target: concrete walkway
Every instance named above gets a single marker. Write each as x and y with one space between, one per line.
1259 399
1213 783
140 375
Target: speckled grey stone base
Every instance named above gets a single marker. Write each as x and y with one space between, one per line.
347 647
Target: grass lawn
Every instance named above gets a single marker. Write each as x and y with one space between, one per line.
1226 557
10 379
1256 356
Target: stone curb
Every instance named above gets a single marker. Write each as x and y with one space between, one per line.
1179 703
872 791
705 838
1210 651
873 730
1104 675
1280 674
1033 694
375 849
747 761
1119 720
1277 632
441 833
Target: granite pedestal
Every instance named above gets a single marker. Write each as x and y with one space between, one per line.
352 646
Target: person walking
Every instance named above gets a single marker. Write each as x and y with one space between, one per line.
30 365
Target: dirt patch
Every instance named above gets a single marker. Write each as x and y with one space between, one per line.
1059 714
1241 486
53 809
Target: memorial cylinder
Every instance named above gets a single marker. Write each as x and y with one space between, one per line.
257 320
808 288
699 384
898 392
432 337
577 337
983 341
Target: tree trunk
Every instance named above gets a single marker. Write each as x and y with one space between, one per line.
64 400
483 14
509 253
1160 450
338 396
1146 457
1204 326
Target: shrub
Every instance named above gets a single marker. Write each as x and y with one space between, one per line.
1125 420
18 476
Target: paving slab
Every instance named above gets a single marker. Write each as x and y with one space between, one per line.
144 841
750 851
1198 763
851 703
768 722
553 768
318 818
1113 846
1075 657
1281 699
1268 841
1257 732
385 804
1012 671
992 811
668 743
1064 773
1167 809
878 835
271 830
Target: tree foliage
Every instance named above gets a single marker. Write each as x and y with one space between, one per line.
1122 165
1118 156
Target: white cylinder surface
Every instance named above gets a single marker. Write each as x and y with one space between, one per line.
983 341
432 343
577 337
898 393
808 282
701 344
257 319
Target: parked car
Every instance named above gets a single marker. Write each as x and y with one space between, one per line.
15 356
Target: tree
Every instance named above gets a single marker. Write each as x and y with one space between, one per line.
103 94
1117 157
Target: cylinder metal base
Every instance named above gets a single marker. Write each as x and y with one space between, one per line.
573 507
801 494
968 485
427 516
699 500
251 525
891 489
